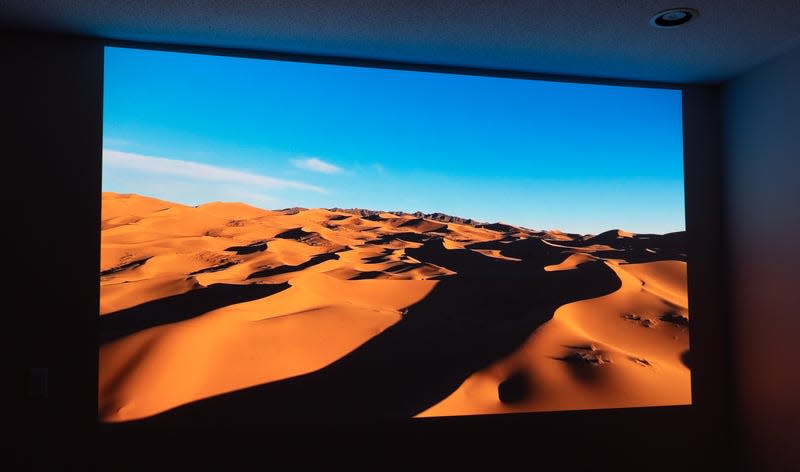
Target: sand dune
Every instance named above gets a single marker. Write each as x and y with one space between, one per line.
226 304
606 352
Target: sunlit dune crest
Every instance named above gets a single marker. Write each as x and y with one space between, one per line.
348 312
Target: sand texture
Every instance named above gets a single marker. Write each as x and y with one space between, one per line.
229 314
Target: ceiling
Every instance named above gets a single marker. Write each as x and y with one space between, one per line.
585 38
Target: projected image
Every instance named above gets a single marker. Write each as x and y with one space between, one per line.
289 241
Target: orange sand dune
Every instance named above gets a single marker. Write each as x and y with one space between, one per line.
203 302
607 352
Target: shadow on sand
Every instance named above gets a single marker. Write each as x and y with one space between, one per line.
180 307
285 269
466 323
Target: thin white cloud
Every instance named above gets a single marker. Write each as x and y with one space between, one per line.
198 172
316 165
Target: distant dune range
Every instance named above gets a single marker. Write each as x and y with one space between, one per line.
226 314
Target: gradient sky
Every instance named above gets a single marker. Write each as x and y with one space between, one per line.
581 158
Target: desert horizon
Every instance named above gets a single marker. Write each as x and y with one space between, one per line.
440 216
228 312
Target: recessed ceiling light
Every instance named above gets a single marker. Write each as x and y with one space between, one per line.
673 17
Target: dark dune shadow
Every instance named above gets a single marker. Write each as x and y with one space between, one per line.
404 267
637 256
467 322
579 347
584 371
180 307
122 267
584 362
382 257
408 237
494 244
368 229
295 233
215 268
367 275
251 248
353 227
514 389
499 227
675 318
318 259
419 223
686 358
640 248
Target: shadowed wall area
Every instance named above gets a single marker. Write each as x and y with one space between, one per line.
762 117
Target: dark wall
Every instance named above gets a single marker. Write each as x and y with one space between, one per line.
51 139
761 148
709 330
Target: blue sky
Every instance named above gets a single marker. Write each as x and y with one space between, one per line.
545 155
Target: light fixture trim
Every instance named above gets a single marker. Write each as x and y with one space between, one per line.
673 17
